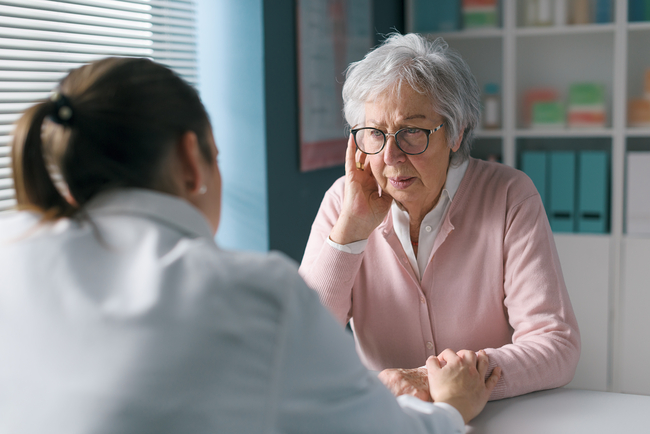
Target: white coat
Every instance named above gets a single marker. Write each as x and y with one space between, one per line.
131 320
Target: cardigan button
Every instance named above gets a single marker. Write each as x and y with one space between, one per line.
423 300
430 345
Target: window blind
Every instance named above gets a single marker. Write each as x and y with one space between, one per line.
41 40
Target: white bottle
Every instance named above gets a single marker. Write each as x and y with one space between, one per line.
491 107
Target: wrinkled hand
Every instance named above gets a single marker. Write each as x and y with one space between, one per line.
407 382
459 380
364 208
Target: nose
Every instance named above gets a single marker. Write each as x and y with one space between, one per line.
392 153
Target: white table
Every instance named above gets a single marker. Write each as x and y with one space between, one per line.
561 411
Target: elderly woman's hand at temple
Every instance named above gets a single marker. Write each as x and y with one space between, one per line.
364 206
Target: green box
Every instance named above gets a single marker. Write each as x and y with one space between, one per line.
479 19
586 94
548 113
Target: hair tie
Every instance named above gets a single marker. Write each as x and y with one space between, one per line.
63 113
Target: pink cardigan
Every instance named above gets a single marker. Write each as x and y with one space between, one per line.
493 282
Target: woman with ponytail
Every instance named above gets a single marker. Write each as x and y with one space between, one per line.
119 314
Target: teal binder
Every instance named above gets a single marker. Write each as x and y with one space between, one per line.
561 195
435 15
534 164
593 187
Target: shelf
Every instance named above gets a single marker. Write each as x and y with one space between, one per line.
566 30
635 237
637 132
492 134
536 31
602 267
469 34
561 132
580 237
639 26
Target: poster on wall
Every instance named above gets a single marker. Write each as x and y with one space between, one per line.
331 35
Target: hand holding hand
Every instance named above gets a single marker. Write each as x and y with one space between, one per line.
363 206
407 382
459 380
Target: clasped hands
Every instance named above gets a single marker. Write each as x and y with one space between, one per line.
455 378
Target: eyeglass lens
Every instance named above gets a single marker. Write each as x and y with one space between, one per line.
409 140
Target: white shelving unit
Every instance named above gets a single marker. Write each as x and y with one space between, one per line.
608 275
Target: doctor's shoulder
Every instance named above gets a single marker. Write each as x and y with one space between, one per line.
268 276
16 226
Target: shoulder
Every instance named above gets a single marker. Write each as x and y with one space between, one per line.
269 275
495 189
335 192
21 224
490 171
263 268
486 177
331 204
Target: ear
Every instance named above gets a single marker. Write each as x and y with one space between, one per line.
458 142
189 156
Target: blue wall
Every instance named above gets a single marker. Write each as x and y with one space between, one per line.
231 84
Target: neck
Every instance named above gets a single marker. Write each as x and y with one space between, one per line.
417 212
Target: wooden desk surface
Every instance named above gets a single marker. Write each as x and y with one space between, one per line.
569 411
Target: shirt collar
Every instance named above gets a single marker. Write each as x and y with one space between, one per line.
431 222
164 208
454 178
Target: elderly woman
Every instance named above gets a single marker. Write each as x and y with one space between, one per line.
118 313
421 247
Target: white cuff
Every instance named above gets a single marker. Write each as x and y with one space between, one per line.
355 248
456 416
413 403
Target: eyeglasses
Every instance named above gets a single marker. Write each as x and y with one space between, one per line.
411 141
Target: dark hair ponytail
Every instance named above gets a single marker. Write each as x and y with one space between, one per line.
112 125
32 180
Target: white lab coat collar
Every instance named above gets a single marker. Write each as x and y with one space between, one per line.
164 208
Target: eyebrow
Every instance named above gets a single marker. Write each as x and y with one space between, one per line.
415 117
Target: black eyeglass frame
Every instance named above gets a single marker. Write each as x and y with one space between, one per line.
386 135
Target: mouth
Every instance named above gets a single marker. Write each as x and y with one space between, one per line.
401 182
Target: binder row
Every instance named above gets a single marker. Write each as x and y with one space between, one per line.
574 187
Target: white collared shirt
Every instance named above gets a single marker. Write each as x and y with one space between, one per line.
431 222
429 227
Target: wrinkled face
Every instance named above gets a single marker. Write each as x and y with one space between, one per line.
415 181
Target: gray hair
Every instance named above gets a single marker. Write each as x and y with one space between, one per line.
430 68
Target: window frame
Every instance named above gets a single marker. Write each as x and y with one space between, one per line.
42 40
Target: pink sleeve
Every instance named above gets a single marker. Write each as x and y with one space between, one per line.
327 270
546 341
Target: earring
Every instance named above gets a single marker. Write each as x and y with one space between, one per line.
203 189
